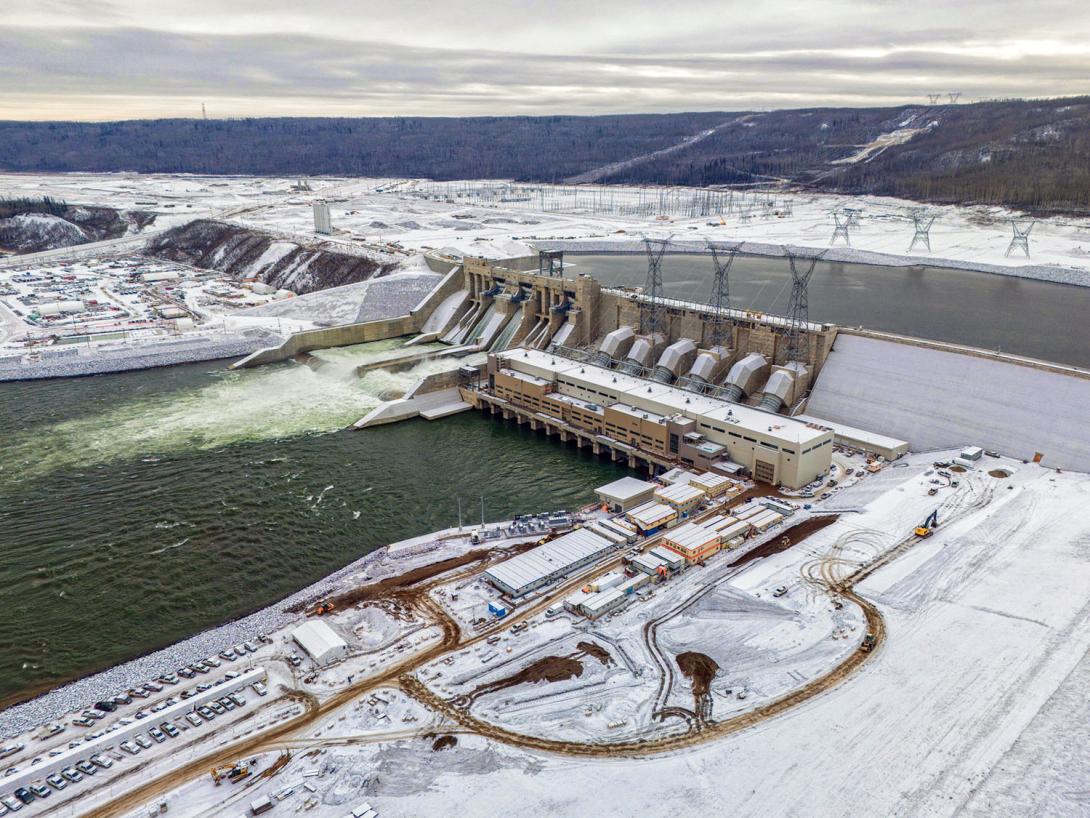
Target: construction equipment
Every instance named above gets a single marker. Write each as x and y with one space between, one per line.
324 607
232 772
868 643
929 525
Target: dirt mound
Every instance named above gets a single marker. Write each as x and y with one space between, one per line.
444 742
597 651
958 469
391 586
546 669
792 536
1000 473
698 669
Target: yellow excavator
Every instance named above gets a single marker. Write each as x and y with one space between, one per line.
929 525
232 772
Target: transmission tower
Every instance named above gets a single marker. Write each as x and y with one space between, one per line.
653 310
954 96
933 98
923 221
722 323
843 222
1020 239
798 312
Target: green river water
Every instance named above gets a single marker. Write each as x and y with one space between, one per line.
139 508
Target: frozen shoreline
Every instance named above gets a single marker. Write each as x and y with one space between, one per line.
83 692
70 364
1052 273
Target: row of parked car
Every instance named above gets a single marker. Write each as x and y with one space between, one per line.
156 734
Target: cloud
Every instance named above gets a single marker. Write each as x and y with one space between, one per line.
115 69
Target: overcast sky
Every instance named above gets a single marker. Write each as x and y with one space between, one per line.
121 59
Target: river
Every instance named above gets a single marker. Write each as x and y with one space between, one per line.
1020 316
139 508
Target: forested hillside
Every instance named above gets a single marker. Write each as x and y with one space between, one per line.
1029 154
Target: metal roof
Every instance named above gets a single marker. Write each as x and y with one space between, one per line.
627 488
602 599
556 556
692 537
652 514
679 493
710 480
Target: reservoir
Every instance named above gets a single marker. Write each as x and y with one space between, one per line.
1020 316
139 508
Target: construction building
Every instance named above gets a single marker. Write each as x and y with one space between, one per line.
547 563
684 498
625 494
320 642
652 517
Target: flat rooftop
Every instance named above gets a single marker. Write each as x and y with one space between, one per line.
669 399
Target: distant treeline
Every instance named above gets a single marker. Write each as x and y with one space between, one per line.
1028 154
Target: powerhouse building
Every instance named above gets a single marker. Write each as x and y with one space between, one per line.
666 422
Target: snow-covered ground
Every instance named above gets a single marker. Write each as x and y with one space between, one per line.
499 220
975 704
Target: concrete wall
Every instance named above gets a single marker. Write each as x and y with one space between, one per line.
939 396
348 334
344 335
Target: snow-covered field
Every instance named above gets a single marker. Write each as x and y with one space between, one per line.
975 704
497 219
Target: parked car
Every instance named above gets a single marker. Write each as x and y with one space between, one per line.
72 774
157 734
206 714
102 761
86 767
217 708
105 706
780 591
24 795
41 790
143 741
194 719
56 781
10 803
130 748
169 729
250 646
228 654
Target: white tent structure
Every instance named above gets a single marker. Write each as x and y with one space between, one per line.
320 642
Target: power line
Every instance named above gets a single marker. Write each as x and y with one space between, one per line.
1020 239
652 309
722 323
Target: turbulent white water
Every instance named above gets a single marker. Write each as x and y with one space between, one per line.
265 403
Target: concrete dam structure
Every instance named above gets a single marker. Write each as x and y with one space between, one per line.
906 392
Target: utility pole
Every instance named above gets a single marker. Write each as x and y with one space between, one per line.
204 113
459 515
